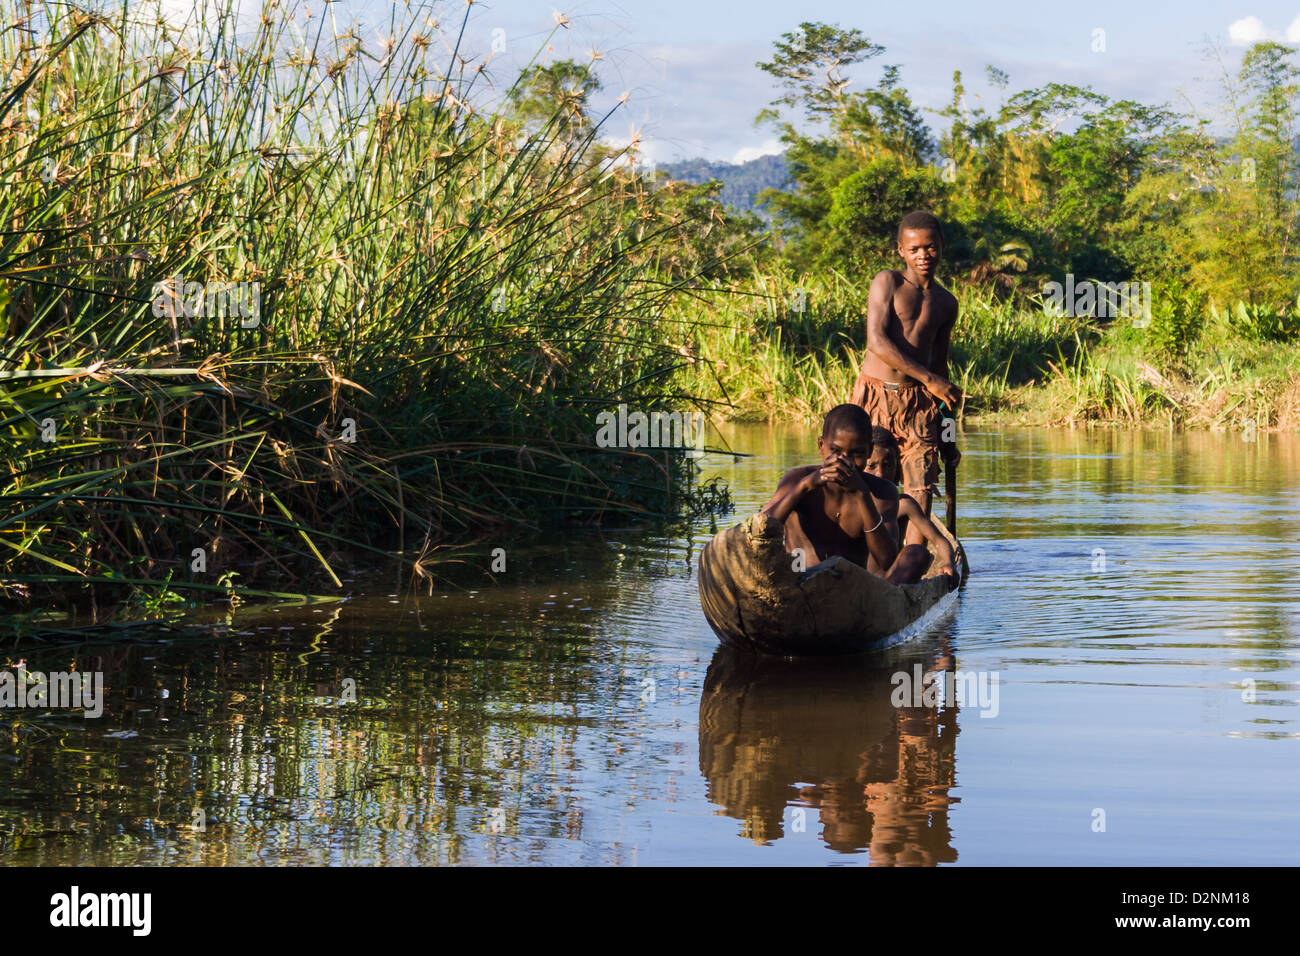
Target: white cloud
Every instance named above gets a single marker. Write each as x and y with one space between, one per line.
1249 30
769 147
676 119
1293 31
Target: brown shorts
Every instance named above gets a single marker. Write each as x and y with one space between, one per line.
912 415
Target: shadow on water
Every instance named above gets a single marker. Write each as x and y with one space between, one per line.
782 740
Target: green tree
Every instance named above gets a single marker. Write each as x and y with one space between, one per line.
810 65
865 209
556 93
1090 172
1246 248
843 206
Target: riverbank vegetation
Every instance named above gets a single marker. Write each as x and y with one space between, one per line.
276 300
1057 184
279 303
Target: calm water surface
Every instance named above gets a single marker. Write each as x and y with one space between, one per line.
1135 596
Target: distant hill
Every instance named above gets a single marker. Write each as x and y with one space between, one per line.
741 182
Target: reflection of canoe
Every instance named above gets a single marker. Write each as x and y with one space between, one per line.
753 597
794 747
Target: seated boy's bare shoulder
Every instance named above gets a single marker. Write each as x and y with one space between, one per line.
880 488
796 475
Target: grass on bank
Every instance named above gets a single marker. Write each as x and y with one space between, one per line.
788 349
446 300
1228 380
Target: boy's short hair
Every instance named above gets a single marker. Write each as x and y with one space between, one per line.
919 219
884 438
849 416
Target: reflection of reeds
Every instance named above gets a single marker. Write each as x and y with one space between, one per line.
473 714
467 289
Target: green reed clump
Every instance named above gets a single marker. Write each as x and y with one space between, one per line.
769 347
1259 323
1187 363
428 306
1001 343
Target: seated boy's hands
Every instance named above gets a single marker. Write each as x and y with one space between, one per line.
840 471
947 571
814 479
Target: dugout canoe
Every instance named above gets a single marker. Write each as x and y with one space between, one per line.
753 598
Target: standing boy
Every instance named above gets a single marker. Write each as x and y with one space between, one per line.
905 373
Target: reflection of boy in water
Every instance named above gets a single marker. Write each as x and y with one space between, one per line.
872 775
897 804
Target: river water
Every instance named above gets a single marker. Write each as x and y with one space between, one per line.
1132 618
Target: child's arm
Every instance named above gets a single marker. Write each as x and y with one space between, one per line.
945 556
880 308
879 541
796 483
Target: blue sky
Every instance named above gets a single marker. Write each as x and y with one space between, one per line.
693 90
688 65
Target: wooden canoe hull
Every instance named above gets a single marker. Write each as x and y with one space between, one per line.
753 598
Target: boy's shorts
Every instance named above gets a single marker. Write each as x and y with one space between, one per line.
912 415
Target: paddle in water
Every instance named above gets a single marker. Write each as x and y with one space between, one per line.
948 451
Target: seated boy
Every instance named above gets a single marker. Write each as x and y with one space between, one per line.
835 508
904 515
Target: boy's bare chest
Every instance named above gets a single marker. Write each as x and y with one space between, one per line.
831 526
919 316
842 517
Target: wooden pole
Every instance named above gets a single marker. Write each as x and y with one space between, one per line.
950 471
950 489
